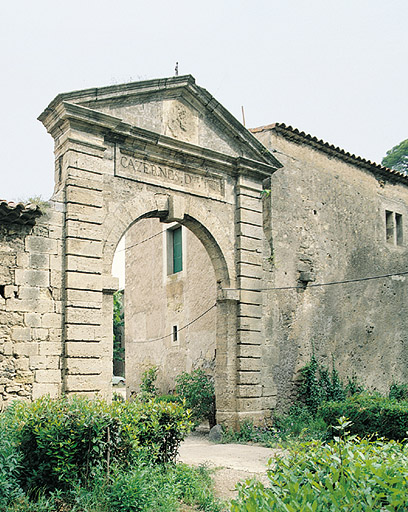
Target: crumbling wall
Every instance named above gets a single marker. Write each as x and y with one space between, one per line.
30 307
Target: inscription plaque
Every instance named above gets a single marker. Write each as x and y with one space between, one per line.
134 168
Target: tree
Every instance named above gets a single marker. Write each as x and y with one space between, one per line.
118 323
397 157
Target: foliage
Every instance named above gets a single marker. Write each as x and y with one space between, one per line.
372 415
10 463
353 387
147 488
319 385
60 441
156 428
118 322
197 389
140 487
345 474
299 424
37 200
398 391
169 398
148 388
397 157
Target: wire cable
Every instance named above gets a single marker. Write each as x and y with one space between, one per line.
184 326
315 285
142 241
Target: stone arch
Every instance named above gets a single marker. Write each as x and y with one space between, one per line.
161 148
127 214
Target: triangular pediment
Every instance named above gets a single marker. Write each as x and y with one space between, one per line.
176 108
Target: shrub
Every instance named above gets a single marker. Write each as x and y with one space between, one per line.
398 391
170 399
10 464
154 427
319 385
146 488
197 389
370 415
64 440
342 475
148 388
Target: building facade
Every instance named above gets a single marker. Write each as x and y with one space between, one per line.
244 249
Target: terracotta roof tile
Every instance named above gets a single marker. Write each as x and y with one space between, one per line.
18 213
296 135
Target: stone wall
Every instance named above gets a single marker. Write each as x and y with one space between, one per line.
327 223
30 308
157 301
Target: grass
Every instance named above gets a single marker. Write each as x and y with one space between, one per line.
299 425
140 488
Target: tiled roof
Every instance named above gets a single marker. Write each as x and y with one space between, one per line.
18 213
296 135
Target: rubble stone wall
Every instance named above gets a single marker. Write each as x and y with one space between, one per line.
30 308
327 223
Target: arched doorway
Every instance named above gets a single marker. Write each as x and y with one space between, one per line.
163 149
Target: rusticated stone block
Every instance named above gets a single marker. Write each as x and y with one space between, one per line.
49 388
83 366
48 376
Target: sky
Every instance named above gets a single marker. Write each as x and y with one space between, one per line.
335 69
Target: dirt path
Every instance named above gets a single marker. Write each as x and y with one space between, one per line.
232 462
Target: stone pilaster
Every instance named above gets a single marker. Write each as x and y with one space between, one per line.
249 272
85 351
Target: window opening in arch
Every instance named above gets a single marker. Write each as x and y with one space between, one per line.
174 250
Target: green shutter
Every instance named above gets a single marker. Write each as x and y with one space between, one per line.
177 251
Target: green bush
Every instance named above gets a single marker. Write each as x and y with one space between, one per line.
147 488
197 389
60 441
170 399
155 427
148 388
398 391
10 464
370 415
358 476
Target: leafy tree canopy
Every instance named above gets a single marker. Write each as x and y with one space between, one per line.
397 157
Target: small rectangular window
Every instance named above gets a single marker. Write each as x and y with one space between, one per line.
394 232
398 227
389 226
175 334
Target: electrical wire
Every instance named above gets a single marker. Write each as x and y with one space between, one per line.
314 285
184 327
141 242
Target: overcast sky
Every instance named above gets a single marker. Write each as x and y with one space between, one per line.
335 69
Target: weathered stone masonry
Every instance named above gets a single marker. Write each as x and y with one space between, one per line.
166 149
30 302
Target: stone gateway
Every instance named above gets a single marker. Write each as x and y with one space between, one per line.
164 154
